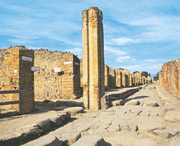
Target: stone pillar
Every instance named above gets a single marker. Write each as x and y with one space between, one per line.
130 80
123 79
106 77
118 78
93 58
112 78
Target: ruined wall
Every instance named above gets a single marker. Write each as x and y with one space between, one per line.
137 79
125 77
143 80
170 76
160 77
118 78
49 84
17 79
93 58
130 80
112 78
106 76
149 80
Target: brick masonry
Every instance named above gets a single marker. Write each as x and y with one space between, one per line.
93 58
16 75
56 85
170 76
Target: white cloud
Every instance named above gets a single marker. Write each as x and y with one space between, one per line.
122 41
123 58
162 28
150 65
114 51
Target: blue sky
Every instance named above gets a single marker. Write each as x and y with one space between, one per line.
138 34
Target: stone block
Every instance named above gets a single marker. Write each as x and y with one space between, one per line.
44 124
47 140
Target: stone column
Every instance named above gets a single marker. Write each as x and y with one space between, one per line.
130 80
118 78
106 77
112 75
123 79
93 58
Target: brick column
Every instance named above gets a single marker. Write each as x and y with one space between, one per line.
118 78
93 58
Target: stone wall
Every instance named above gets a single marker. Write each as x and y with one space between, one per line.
137 79
170 76
112 78
16 79
118 78
125 77
50 84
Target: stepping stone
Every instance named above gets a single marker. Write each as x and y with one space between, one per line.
45 125
145 142
71 137
74 110
47 140
60 118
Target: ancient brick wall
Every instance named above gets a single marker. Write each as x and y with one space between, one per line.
112 78
118 78
170 76
125 77
130 80
16 79
143 80
53 85
149 80
137 79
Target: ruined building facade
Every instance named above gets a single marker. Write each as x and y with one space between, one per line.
16 80
170 76
93 58
58 77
